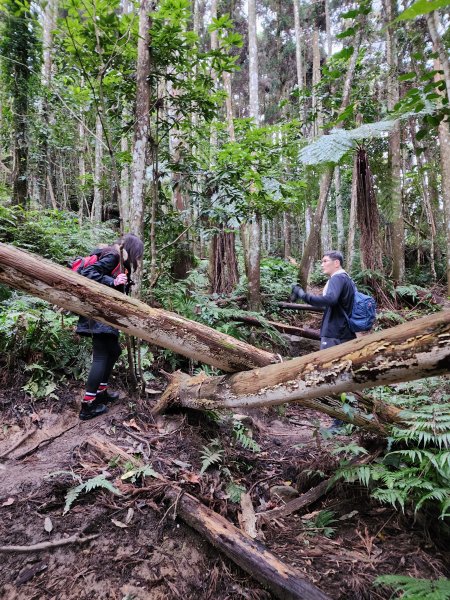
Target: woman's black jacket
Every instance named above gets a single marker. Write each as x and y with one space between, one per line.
100 271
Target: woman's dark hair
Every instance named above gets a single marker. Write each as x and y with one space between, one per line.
134 247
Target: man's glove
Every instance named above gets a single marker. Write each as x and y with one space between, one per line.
297 293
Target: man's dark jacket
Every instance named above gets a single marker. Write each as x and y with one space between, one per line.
338 298
100 271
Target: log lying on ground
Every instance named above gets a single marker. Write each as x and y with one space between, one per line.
409 351
61 286
253 557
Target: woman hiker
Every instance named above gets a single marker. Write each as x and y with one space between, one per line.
105 339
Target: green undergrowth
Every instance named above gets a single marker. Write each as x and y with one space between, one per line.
414 473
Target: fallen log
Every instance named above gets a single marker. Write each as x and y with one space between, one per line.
312 495
67 289
409 351
253 557
61 286
305 332
294 306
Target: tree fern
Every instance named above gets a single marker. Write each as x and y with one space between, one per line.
91 484
416 589
331 148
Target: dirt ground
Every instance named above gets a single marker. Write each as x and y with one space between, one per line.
141 549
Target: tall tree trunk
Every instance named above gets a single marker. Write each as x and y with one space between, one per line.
393 96
97 206
316 76
339 211
254 250
326 179
254 262
298 55
438 46
253 62
141 131
223 268
142 126
443 132
287 234
46 174
124 200
82 204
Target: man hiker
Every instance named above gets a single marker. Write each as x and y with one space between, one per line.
337 299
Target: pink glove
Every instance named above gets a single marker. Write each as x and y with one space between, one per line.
121 279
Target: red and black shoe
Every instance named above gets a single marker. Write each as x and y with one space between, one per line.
90 410
107 397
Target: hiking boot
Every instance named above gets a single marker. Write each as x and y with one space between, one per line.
107 397
90 410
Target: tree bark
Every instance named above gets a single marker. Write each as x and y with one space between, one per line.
254 264
254 248
298 56
407 352
393 96
142 127
339 211
325 181
254 558
63 287
96 213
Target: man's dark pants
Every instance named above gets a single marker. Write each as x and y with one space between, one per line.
326 342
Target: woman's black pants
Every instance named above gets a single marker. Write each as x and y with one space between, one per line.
105 350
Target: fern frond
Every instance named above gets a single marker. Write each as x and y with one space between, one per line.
95 482
135 474
241 434
417 589
211 455
235 491
331 148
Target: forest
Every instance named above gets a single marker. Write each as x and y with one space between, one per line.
215 160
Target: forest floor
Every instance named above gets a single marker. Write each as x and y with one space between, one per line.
142 550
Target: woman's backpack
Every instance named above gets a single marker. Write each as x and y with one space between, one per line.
82 262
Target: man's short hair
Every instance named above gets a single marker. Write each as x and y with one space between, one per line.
335 255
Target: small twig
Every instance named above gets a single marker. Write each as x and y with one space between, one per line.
74 539
19 442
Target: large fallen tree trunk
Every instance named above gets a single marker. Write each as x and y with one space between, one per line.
409 351
63 287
